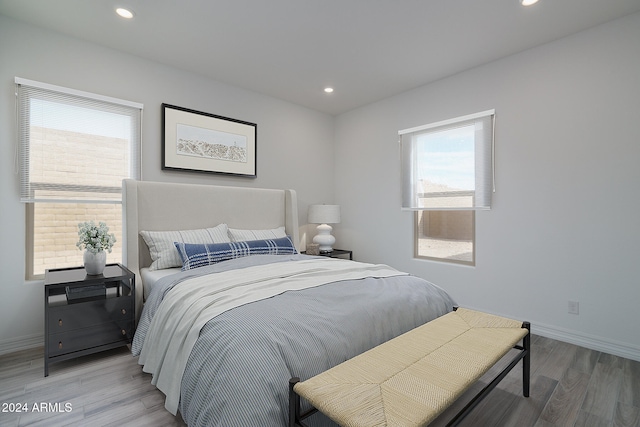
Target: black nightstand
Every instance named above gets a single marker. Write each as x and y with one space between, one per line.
87 314
337 253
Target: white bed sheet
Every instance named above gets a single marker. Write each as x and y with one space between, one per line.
150 277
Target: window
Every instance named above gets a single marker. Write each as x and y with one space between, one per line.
75 149
446 236
447 174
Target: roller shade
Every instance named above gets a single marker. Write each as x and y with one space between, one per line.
448 165
74 146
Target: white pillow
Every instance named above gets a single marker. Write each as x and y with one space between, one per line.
164 253
243 235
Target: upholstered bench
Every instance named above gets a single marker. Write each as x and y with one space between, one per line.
413 378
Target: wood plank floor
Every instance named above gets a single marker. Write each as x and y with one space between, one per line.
570 386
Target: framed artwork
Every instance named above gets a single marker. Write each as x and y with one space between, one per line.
201 142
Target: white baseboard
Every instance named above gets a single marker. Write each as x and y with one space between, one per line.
592 342
21 343
583 340
588 341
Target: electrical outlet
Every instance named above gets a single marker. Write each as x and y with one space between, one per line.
573 307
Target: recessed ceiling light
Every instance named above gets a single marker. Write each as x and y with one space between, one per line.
125 13
528 2
328 89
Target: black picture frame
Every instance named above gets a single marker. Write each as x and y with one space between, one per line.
195 141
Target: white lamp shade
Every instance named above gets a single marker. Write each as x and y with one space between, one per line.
324 214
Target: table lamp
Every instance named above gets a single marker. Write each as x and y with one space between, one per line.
324 215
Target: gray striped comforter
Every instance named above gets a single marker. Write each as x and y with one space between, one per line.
238 371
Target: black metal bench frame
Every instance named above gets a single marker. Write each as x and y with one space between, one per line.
296 416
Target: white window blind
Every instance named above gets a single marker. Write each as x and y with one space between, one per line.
448 165
75 146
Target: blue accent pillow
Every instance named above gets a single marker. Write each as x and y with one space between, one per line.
200 255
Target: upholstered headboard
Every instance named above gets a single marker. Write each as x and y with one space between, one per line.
161 206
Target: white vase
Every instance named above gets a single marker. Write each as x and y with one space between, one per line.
94 263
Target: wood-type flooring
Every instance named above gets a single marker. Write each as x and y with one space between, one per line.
570 386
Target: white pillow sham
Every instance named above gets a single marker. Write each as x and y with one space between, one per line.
238 235
163 251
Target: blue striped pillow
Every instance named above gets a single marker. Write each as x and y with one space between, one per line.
199 255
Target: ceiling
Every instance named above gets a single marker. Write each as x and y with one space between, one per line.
291 49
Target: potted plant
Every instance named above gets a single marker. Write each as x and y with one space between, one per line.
95 240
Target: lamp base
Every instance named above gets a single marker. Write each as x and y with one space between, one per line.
324 238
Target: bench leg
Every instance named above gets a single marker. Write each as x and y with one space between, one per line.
526 361
295 413
294 403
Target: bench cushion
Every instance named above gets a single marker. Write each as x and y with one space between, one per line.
411 379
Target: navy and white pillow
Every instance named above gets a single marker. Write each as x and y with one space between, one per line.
200 255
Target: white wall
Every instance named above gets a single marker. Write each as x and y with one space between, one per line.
288 136
564 222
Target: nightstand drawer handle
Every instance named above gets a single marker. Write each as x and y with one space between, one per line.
124 332
124 311
59 322
60 345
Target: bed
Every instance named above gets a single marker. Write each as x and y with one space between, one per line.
222 340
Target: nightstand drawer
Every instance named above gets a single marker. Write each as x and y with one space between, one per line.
81 315
82 339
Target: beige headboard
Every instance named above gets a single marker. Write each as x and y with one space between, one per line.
162 206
